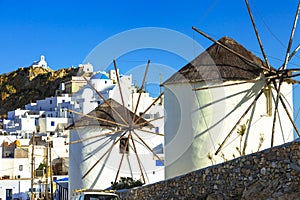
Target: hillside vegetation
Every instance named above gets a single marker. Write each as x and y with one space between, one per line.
26 85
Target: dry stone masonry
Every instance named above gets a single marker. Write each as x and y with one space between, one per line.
272 174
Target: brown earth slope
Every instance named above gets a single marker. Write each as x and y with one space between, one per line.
26 85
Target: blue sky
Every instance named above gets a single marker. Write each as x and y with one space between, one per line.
66 31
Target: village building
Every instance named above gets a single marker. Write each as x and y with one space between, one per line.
48 119
45 116
75 83
16 159
41 63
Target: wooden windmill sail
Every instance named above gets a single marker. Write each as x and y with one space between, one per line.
274 78
112 140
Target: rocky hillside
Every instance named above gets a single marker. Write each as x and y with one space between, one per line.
26 85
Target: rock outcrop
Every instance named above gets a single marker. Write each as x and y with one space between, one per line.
26 85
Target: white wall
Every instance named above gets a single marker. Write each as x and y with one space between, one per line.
49 124
53 103
83 155
17 186
60 149
197 122
19 122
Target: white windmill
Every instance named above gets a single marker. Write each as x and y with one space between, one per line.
226 103
112 142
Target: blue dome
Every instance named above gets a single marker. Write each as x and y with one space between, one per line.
100 76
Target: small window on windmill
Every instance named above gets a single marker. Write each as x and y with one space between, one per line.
268 94
124 145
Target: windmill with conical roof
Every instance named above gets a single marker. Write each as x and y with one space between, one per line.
227 103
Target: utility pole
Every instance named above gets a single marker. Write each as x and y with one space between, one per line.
160 87
32 166
51 178
47 169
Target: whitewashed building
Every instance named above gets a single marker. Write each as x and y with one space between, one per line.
48 115
198 121
16 159
86 99
21 122
41 63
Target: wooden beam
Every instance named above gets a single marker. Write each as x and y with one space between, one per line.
95 136
291 37
257 34
105 101
138 159
286 110
141 90
137 135
98 118
147 122
120 90
241 118
94 165
123 153
232 51
225 85
149 107
151 132
276 110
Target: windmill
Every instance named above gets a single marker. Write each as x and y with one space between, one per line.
112 141
274 77
233 91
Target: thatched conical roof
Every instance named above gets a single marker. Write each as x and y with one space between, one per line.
105 112
219 64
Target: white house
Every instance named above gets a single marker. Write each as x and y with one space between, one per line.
88 67
15 169
20 122
41 63
47 115
86 99
199 120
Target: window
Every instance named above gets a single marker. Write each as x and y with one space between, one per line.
268 94
159 162
52 123
20 167
50 101
124 145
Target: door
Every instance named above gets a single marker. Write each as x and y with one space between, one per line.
8 194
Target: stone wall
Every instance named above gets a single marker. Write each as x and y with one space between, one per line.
270 174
